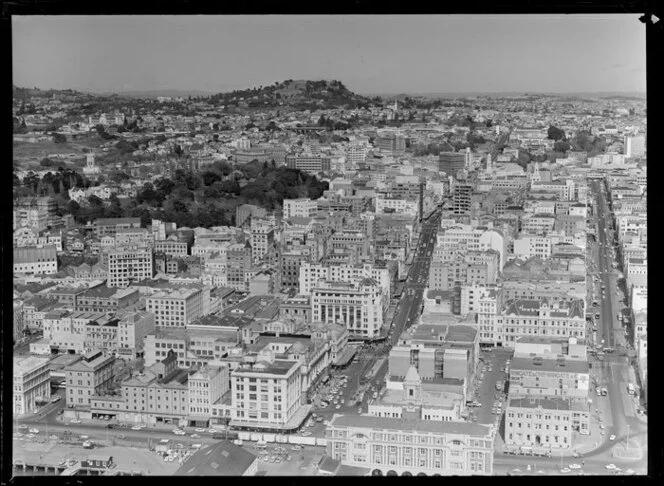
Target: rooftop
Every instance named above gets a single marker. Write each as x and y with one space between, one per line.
405 425
546 403
28 364
220 459
561 364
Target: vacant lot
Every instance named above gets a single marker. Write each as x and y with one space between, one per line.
28 155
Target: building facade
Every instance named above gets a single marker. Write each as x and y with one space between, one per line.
392 446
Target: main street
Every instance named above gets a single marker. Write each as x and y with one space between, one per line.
409 306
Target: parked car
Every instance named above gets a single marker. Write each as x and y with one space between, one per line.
179 432
34 431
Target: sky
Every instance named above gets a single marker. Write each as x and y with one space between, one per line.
381 54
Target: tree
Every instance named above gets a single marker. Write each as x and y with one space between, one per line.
561 146
95 201
59 138
555 133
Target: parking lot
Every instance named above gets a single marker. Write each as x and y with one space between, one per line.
286 459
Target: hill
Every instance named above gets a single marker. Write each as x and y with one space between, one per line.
19 93
300 94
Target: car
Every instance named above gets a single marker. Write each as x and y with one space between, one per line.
612 437
136 427
56 399
306 434
22 427
53 437
610 467
34 431
195 436
30 436
212 431
179 432
337 407
575 466
199 429
565 470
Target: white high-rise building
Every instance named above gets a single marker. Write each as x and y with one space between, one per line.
357 304
635 146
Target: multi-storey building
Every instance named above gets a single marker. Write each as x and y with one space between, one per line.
391 143
433 405
407 447
102 334
205 387
129 265
308 163
462 197
106 299
536 290
132 329
192 347
357 304
268 394
542 424
109 226
473 238
35 260
528 246
635 146
531 318
262 239
18 327
130 237
311 273
178 307
92 375
290 263
396 205
171 247
300 208
31 383
158 395
438 352
37 212
474 267
238 272
452 162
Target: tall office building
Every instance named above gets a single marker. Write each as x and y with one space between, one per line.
125 266
452 162
462 196
635 146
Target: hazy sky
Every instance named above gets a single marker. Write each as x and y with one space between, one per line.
369 54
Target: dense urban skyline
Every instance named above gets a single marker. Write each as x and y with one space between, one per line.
370 54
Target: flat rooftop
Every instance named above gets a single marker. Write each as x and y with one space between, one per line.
405 425
560 365
28 364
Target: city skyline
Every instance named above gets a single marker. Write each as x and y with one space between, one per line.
593 53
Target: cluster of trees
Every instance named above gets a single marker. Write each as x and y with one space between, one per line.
52 183
555 133
206 198
433 148
582 141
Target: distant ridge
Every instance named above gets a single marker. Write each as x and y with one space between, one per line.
169 93
462 94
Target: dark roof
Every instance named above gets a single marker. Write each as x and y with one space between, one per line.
424 426
222 459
